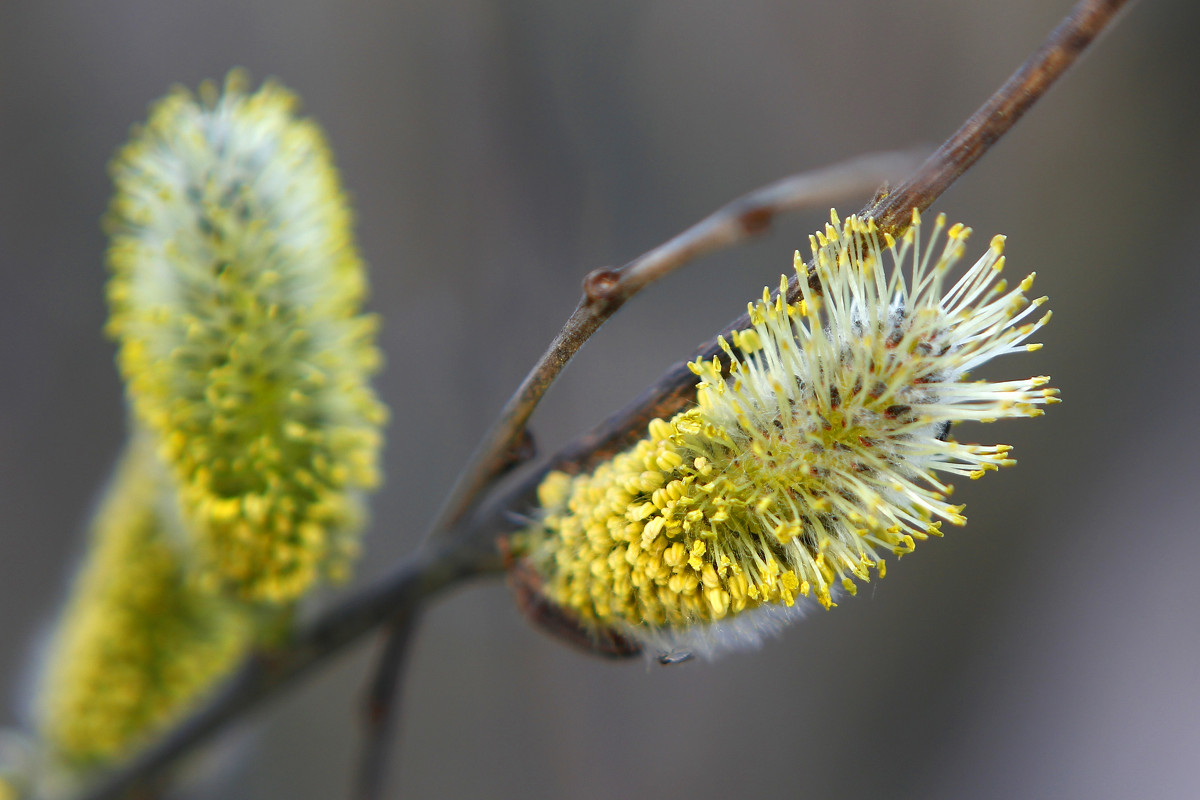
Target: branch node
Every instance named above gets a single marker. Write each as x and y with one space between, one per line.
522 450
599 285
756 220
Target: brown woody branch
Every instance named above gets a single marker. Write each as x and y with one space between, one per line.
382 705
1086 20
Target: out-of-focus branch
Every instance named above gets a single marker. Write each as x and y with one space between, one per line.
382 707
474 554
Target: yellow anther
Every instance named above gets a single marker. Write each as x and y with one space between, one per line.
749 342
641 512
653 528
668 460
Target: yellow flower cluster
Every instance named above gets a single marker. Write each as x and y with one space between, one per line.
791 477
140 642
235 297
635 539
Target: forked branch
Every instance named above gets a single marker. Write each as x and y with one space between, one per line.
605 290
471 550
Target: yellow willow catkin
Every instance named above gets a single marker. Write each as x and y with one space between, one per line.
235 297
789 479
139 642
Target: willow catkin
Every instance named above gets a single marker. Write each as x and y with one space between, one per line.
235 298
139 642
789 480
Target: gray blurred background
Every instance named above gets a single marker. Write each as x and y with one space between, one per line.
499 149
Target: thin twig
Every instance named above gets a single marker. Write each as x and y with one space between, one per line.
1085 21
383 707
452 560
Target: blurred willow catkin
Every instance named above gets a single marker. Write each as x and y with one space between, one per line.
139 642
235 298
